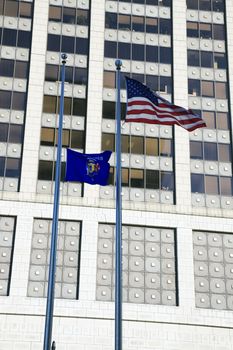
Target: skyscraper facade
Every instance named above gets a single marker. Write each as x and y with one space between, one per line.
177 189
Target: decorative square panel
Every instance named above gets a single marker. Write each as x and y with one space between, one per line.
148 265
213 266
7 232
68 252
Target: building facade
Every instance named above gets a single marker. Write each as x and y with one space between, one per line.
177 189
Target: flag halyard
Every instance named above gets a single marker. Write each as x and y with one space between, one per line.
143 105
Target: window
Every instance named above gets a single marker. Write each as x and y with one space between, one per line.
138 52
11 8
124 22
138 24
124 50
152 179
25 9
197 183
220 60
3 132
47 137
125 144
110 20
21 69
151 25
108 110
19 101
110 49
16 133
108 142
152 53
196 150
67 44
224 153
211 184
192 4
137 178
165 26
219 31
165 147
152 81
165 55
45 171
80 76
209 119
152 146
9 37
54 42
194 87
218 5
12 167
205 5
5 99
193 58
210 151
79 107
82 17
206 59
69 15
51 72
205 30
136 144
167 181
50 104
6 68
82 46
77 139
54 13
125 177
207 88
226 186
24 39
192 30
222 120
109 79
221 90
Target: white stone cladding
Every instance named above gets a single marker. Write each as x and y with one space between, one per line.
86 324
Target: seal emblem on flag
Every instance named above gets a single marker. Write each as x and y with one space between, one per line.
93 167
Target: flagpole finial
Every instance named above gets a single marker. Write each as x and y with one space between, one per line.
118 64
64 57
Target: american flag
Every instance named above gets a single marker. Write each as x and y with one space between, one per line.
143 105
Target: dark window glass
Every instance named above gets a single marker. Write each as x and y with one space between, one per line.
192 30
210 151
220 60
152 81
166 147
194 87
221 90
47 137
3 132
192 4
152 179
197 183
138 24
110 49
109 79
124 22
25 9
193 58
80 76
108 110
21 69
226 186
51 72
19 101
77 139
12 167
63 170
79 107
137 144
55 13
207 88
1 7
211 184
218 5
68 75
11 8
82 17
152 2
125 143
165 55
206 59
167 181
54 42
196 150
224 153
165 85
138 52
110 20
5 99
82 46
137 178
205 5
165 26
164 3
205 30
138 77
151 25
69 15
65 137
209 119
16 133
45 170
219 32
9 37
2 165
152 53
6 68
123 111
24 39
67 105
124 50
125 177
152 146
222 121
50 104
67 44
108 142
111 176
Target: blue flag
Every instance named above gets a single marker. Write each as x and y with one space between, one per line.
90 168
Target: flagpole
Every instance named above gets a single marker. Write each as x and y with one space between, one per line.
53 250
118 240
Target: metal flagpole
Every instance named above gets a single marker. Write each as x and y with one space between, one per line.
118 240
53 250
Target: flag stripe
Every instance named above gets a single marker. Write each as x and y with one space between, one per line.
144 106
